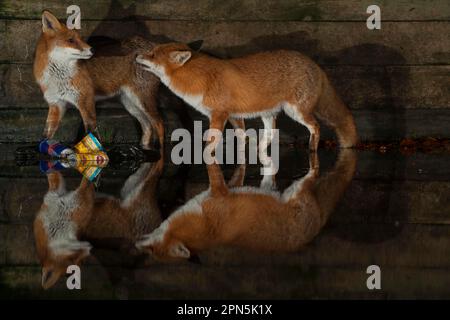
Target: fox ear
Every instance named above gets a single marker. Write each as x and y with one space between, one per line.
50 23
180 57
179 250
195 45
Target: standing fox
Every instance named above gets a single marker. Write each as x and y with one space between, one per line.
67 218
259 219
258 85
67 75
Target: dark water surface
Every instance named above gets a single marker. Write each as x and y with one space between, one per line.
362 208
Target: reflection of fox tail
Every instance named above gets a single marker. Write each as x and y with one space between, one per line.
335 113
331 186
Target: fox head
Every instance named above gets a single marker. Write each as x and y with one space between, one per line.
55 228
165 58
56 257
64 44
162 246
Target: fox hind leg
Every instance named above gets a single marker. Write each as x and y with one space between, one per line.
157 123
308 120
237 123
301 186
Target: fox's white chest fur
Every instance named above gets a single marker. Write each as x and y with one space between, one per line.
57 80
194 100
57 220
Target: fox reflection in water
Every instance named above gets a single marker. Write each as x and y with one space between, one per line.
260 219
68 217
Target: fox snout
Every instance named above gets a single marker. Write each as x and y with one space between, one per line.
140 59
144 62
144 243
91 51
87 53
149 65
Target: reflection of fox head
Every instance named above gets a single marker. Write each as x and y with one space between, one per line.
62 43
56 227
167 242
162 246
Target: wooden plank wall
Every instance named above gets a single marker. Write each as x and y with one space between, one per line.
395 79
395 212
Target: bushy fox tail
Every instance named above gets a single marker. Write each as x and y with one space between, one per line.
331 110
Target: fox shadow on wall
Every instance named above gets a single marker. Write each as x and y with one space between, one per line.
122 23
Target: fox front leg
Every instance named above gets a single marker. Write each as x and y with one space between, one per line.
86 106
55 113
216 180
237 180
213 136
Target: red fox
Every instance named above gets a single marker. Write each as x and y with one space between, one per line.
259 219
258 85
67 219
68 73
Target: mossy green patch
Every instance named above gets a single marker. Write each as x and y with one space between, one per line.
310 12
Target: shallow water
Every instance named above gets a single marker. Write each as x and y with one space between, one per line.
386 209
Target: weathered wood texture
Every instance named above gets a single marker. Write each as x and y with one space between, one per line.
27 125
405 65
260 282
361 87
424 202
266 10
394 214
327 42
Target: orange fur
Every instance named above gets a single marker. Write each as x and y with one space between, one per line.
79 81
92 218
256 85
252 218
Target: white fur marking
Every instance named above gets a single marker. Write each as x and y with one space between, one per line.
264 114
56 219
296 187
195 101
57 78
133 186
193 206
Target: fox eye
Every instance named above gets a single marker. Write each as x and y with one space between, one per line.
71 40
151 55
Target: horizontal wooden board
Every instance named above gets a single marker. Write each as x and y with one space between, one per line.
25 282
372 165
298 282
329 43
117 126
191 281
413 246
361 87
384 201
387 167
266 10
